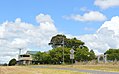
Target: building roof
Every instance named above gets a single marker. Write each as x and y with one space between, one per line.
31 52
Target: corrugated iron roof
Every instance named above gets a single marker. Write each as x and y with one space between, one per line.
31 52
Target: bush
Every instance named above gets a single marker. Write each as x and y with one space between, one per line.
12 62
5 64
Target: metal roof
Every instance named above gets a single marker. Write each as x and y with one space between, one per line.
31 52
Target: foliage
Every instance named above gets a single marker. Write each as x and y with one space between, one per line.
57 40
69 43
112 54
55 56
12 62
37 56
5 64
83 54
74 43
46 58
42 57
92 55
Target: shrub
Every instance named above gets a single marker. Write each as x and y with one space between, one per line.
12 62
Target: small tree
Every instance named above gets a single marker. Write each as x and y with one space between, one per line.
92 55
112 54
12 62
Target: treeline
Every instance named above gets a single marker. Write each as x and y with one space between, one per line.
60 42
81 54
112 54
55 56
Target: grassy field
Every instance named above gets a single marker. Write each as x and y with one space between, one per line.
29 70
109 68
106 67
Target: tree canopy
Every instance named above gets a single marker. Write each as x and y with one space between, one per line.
112 54
69 43
83 54
57 40
55 56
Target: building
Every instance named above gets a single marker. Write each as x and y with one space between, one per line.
26 59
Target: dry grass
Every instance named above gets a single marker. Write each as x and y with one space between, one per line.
102 67
111 68
28 70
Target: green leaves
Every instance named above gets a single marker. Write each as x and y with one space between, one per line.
12 62
57 41
55 56
112 54
83 54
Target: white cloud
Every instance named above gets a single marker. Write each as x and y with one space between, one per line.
107 36
88 29
18 20
19 43
40 18
90 16
104 4
19 34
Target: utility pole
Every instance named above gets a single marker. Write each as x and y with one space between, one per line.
63 50
19 53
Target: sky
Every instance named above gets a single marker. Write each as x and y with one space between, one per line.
30 24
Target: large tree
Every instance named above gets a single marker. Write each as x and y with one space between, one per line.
82 52
58 40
